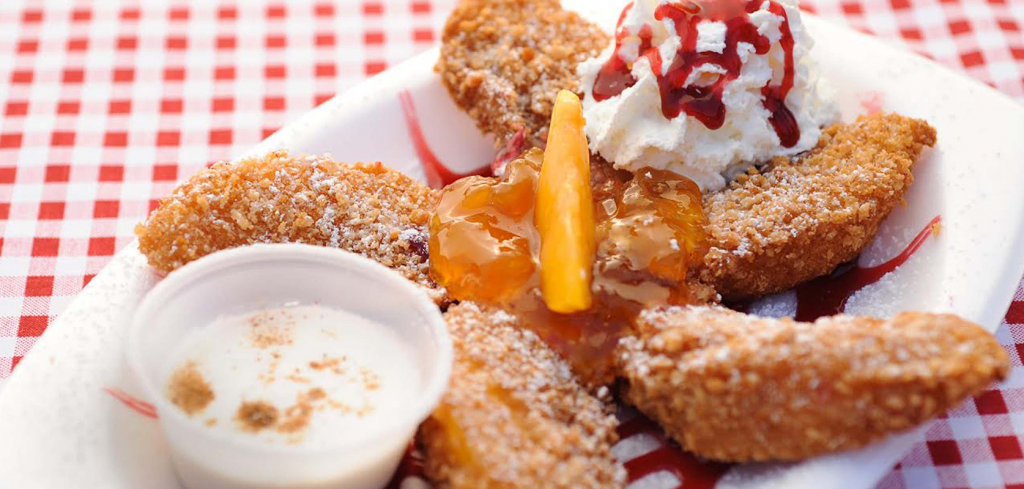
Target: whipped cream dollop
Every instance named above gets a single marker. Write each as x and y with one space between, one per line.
705 88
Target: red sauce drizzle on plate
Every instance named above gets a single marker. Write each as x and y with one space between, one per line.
438 175
693 472
704 103
827 296
410 466
144 408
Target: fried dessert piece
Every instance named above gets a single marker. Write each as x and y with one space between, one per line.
367 209
733 387
514 416
804 216
504 61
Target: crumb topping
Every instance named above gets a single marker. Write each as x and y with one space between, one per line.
514 415
800 218
734 387
503 61
363 208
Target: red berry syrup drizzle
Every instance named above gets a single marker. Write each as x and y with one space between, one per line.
693 472
827 296
704 103
438 175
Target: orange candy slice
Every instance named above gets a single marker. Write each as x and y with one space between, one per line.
565 211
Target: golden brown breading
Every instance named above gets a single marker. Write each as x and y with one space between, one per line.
363 208
733 387
503 61
802 218
514 415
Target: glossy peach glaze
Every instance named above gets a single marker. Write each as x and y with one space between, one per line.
485 247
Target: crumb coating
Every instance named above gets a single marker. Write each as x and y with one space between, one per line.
733 387
514 415
504 61
367 209
802 217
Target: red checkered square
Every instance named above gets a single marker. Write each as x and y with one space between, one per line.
228 12
76 75
177 43
10 140
130 13
69 107
21 76
28 46
77 44
101 246
49 211
324 10
276 11
16 109
224 73
116 139
45 246
227 42
174 74
223 104
325 39
119 107
57 173
111 173
1006 448
991 402
7 174
374 38
32 325
38 286
275 71
944 452
104 209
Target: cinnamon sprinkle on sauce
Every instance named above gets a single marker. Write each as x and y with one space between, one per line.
189 390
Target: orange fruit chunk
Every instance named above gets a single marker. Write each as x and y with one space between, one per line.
565 212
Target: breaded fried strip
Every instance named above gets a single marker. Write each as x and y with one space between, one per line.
733 387
797 221
514 415
503 61
367 209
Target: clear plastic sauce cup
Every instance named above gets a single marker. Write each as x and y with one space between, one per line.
350 356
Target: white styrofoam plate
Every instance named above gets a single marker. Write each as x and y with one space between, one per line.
60 426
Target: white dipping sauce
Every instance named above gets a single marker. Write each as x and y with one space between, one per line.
293 376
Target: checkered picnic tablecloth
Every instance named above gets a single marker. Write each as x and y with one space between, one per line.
105 105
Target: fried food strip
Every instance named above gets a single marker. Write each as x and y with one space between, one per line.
733 387
367 209
504 61
801 218
514 415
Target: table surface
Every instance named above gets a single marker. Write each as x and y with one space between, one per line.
106 105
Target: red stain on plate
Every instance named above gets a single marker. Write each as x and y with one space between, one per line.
693 472
872 102
827 296
514 147
438 175
411 466
144 408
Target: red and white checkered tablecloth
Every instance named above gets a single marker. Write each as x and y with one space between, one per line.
105 105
